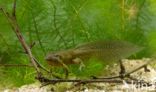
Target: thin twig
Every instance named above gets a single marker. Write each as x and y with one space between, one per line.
32 44
79 81
13 22
125 75
97 80
14 10
15 65
142 66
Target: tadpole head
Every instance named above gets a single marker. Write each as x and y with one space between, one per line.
53 59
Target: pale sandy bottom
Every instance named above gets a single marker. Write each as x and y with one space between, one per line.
100 87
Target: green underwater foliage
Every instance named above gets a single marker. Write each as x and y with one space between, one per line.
56 25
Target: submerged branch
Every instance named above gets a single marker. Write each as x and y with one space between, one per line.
79 81
13 22
115 79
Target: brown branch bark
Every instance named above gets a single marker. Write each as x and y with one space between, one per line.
13 22
14 25
97 80
21 39
79 81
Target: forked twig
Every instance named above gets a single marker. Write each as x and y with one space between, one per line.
13 22
126 74
98 80
47 81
